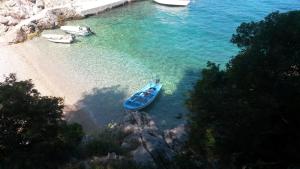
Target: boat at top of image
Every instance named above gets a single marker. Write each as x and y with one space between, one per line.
59 38
173 2
143 97
77 30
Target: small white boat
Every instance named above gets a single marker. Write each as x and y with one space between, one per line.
144 97
77 30
59 38
173 2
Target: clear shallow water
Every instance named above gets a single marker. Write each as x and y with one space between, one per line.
141 40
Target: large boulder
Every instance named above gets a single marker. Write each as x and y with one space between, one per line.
49 21
145 141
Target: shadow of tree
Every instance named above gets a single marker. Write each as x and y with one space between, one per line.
98 108
102 106
169 110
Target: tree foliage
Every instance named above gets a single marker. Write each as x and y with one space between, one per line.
32 131
249 113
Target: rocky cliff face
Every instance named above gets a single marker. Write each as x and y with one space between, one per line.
13 11
21 18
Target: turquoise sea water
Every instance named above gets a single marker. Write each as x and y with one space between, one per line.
139 41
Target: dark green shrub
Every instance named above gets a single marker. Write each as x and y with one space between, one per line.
107 141
248 114
32 131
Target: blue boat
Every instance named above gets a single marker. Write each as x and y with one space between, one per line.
144 97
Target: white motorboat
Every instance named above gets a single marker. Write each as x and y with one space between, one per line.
173 2
77 30
59 38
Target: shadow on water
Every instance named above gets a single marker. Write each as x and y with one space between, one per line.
98 108
169 110
103 106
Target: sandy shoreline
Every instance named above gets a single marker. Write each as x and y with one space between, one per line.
13 60
82 105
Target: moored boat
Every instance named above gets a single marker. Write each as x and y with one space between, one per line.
59 38
144 97
77 30
173 2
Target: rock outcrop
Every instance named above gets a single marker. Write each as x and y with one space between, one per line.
176 137
143 143
3 29
147 144
20 18
47 19
3 20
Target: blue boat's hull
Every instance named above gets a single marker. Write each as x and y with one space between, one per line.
143 98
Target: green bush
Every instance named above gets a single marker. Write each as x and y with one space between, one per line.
32 131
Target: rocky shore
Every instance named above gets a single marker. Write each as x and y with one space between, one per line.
23 19
144 143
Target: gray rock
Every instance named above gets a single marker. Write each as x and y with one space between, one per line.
131 142
111 156
3 29
40 4
50 21
29 28
12 21
147 142
3 20
176 137
158 149
141 156
15 36
11 3
36 10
